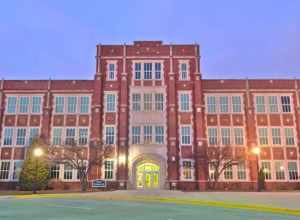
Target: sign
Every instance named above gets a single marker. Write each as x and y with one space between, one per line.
99 184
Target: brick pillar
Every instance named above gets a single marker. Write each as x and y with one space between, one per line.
296 99
2 105
46 115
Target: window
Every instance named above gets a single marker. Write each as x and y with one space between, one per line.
36 104
223 104
83 136
238 136
11 104
260 104
68 172
136 135
21 134
56 139
293 170
147 102
236 104
187 170
279 170
263 136
286 103
59 104
266 167
110 102
72 102
211 171
24 103
111 71
289 136
211 104
33 134
8 136
4 170
185 135
228 174
273 105
54 171
225 136
241 170
109 169
17 169
70 136
212 136
136 102
137 71
183 71
84 104
158 71
184 102
276 136
147 134
159 134
147 71
110 135
159 102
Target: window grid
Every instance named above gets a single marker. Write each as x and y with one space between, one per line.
137 71
108 169
211 104
136 135
4 170
260 104
276 136
147 134
224 104
184 102
72 103
84 104
187 170
183 71
83 136
11 104
159 102
24 103
225 136
147 71
110 102
147 102
110 135
136 102
266 167
21 134
263 136
293 170
70 136
159 134
185 135
158 71
236 104
279 170
36 104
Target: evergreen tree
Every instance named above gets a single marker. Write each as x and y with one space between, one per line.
261 180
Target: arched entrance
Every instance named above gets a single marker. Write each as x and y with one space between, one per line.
147 176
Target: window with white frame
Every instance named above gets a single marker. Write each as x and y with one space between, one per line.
158 71
238 136
137 71
136 135
109 135
185 135
147 71
36 104
260 104
263 136
236 104
84 104
108 169
83 136
110 103
183 71
17 167
147 102
241 170
56 136
33 134
159 102
211 104
136 102
228 173
266 168
225 136
111 71
54 171
159 134
286 103
4 170
279 170
211 171
21 134
24 104
212 136
68 172
276 136
293 170
289 136
11 104
72 103
184 102
8 136
59 104
187 170
224 104
273 104
147 134
70 136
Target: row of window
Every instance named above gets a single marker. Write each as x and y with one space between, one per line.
273 104
147 134
70 136
72 104
148 71
280 170
224 104
225 136
10 170
24 104
276 136
152 102
19 136
238 172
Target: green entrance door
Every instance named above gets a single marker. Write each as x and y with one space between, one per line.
147 176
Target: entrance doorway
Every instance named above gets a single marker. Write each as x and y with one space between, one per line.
147 176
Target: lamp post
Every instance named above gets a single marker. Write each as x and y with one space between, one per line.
256 152
37 152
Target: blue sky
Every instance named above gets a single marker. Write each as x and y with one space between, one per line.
42 39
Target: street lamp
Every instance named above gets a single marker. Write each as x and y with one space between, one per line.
37 152
256 152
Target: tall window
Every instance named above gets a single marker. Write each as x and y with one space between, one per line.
17 169
84 104
136 102
241 170
225 136
8 136
147 102
184 102
185 135
286 103
56 137
111 71
108 169
36 104
159 134
110 102
266 167
33 134
289 136
83 136
68 171
183 72
224 104
147 70
212 136
21 134
276 136
187 170
236 104
72 102
59 104
158 71
279 170
70 136
238 136
54 171
273 105
4 170
260 104
228 174
159 102
293 170
24 103
137 71
110 135
211 104
11 104
263 136
136 135
147 134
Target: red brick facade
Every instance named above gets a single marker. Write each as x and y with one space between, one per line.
189 104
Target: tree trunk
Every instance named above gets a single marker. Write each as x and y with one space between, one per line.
83 183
